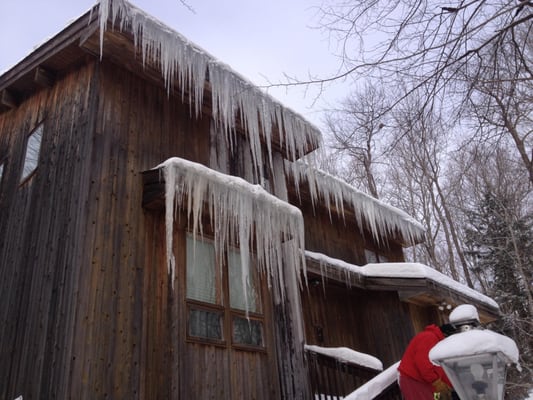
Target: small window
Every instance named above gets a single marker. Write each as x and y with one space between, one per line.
33 147
247 332
205 323
373 257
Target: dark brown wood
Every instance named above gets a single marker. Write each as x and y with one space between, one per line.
43 77
7 99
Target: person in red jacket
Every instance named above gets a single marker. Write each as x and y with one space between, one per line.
419 377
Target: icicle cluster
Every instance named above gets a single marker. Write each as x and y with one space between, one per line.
189 67
241 214
380 218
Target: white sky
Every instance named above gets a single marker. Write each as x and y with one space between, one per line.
260 39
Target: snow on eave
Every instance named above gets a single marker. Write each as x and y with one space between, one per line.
347 355
403 270
383 220
233 97
242 215
376 385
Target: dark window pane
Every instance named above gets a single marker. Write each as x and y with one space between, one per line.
249 332
32 152
205 324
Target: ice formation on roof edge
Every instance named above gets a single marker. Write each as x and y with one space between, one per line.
380 218
233 97
235 208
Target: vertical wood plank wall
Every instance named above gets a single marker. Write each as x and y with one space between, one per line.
87 311
338 316
85 305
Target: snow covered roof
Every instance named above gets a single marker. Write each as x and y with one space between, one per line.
382 220
234 99
236 105
391 271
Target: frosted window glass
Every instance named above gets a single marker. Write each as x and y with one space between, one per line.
201 279
236 289
32 152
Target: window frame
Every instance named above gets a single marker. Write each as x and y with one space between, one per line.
224 307
3 162
25 177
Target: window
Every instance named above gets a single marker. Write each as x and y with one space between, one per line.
221 309
373 257
33 147
1 170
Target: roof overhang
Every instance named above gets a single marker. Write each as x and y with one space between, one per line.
82 42
429 288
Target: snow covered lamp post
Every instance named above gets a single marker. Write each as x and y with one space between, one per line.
475 359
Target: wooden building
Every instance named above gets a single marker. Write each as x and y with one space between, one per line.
161 240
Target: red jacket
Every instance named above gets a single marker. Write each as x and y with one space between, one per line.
415 362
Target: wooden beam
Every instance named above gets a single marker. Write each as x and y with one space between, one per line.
43 77
7 99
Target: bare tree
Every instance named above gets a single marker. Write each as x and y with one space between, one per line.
357 130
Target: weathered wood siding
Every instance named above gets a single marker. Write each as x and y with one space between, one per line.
86 308
372 322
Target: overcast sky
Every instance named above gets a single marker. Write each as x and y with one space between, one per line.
260 39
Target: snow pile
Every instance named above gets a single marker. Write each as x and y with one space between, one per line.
241 214
472 342
233 97
380 218
401 270
377 385
346 355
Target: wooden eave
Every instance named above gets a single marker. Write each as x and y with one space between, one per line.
50 60
153 190
419 291
80 42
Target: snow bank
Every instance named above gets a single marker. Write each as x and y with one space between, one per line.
375 386
402 270
347 355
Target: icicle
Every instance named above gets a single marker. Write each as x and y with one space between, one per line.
242 214
187 65
381 219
